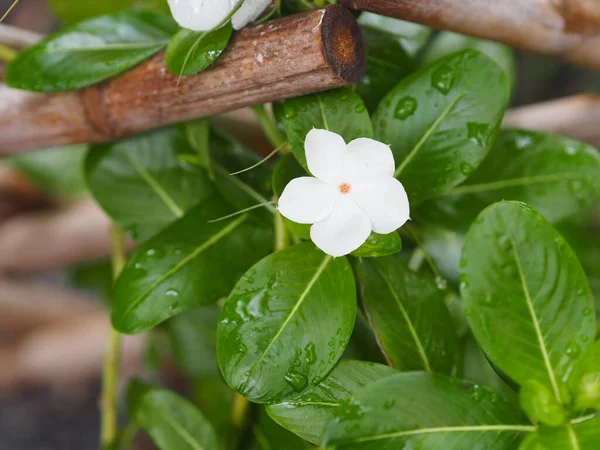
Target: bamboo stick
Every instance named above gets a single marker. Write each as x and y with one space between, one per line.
296 55
576 117
568 29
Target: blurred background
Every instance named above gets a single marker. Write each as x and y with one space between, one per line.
55 275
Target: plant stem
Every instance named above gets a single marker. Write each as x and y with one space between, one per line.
282 235
275 136
7 54
110 376
239 411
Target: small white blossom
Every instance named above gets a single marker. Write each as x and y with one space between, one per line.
353 192
204 15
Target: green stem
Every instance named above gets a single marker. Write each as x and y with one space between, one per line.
239 411
8 11
128 435
275 136
110 375
282 235
7 54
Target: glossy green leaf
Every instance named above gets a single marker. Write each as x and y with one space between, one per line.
447 42
426 411
584 381
341 111
526 296
556 175
142 184
269 435
583 435
286 169
286 323
387 64
190 52
136 389
57 171
412 36
174 423
308 414
90 51
379 245
193 338
189 264
444 247
244 190
408 315
71 11
442 120
541 405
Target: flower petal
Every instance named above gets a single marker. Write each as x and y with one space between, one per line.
200 15
325 155
307 200
385 202
249 12
366 159
346 228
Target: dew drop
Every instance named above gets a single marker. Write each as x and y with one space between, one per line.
584 338
242 348
441 283
587 312
296 380
359 108
311 354
479 133
405 107
463 262
389 403
290 113
443 79
573 350
172 293
466 168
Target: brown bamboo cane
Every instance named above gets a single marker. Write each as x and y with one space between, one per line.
288 57
568 29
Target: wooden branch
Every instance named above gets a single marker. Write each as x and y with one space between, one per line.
24 306
569 29
577 117
17 38
54 239
296 55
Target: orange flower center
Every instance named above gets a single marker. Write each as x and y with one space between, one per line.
344 188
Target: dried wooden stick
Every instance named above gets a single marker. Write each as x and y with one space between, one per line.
296 55
25 305
53 239
17 38
569 29
577 117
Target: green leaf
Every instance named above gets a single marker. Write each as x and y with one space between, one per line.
136 389
540 404
308 414
57 171
71 11
558 176
91 51
412 36
341 111
426 411
194 341
174 423
379 245
442 120
269 435
189 264
198 135
584 381
387 63
142 184
286 323
190 52
408 314
444 247
576 436
244 190
286 169
447 42
526 296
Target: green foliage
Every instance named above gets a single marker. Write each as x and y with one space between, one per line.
90 51
71 11
190 52
442 121
286 323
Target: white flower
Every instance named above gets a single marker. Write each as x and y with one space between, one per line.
353 193
204 15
